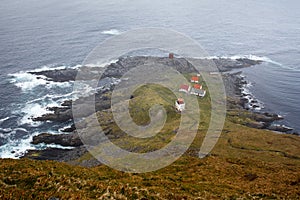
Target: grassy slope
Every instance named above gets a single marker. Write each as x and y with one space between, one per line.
246 163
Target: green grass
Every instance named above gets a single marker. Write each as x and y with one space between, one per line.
246 163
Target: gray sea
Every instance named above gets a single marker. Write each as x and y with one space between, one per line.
48 34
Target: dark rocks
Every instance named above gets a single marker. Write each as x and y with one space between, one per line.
280 128
64 113
233 84
69 129
47 154
59 115
64 155
123 65
265 117
274 116
67 103
58 75
238 99
257 125
243 102
226 64
62 139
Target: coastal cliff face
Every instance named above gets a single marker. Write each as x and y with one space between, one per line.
247 161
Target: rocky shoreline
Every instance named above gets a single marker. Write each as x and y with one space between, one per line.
233 82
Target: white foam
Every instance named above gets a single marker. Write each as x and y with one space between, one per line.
9 131
16 148
21 129
6 130
59 98
250 57
63 128
27 81
4 119
111 32
34 110
258 105
52 68
57 146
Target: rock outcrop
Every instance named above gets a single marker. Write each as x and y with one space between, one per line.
71 139
233 85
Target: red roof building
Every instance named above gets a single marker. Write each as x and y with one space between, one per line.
198 86
180 101
184 88
195 79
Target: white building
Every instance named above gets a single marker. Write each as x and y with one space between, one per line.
198 92
180 105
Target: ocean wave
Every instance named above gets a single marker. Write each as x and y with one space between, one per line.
21 129
252 102
111 32
250 56
16 148
4 119
34 110
57 146
53 67
10 131
259 58
59 98
27 81
6 130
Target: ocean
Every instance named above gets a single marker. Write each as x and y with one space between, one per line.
50 34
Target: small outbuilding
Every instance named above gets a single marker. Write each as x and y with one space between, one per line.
195 79
180 105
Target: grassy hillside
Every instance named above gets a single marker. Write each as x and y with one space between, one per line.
246 162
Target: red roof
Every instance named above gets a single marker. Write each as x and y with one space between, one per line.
197 86
184 87
195 78
180 101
